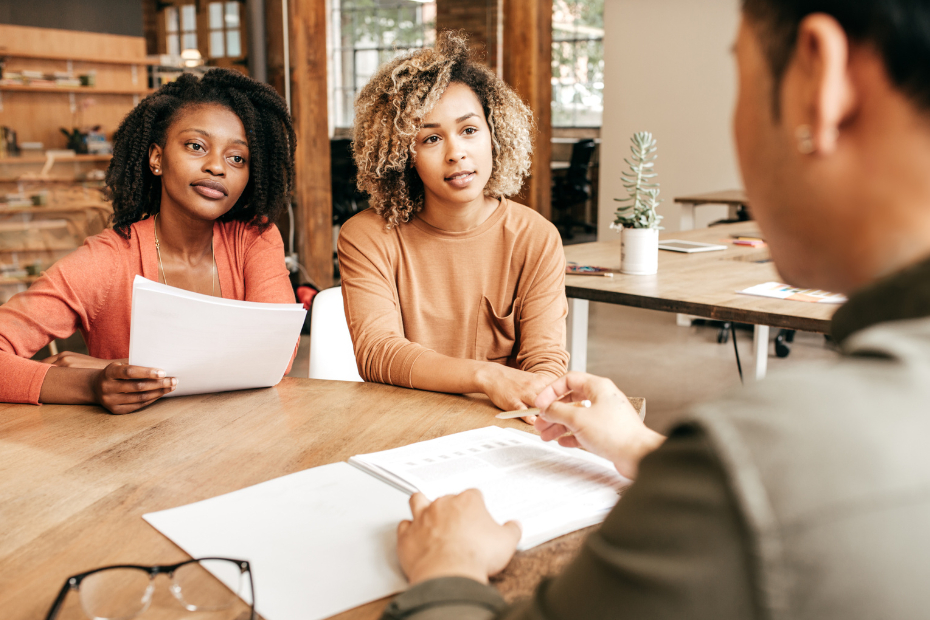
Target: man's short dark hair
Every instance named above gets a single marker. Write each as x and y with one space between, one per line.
898 29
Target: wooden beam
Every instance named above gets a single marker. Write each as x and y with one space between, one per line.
313 190
528 69
477 18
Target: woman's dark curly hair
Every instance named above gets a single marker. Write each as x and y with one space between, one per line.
136 193
390 110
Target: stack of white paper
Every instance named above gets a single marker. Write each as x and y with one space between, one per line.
320 541
323 540
211 344
550 490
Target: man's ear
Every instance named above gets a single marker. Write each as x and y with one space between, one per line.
818 93
155 159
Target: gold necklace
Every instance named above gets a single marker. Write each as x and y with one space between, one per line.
165 278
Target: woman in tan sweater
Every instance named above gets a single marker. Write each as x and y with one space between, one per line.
448 285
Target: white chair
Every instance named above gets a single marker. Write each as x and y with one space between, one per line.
331 354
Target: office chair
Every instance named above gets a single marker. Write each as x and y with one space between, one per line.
331 354
572 190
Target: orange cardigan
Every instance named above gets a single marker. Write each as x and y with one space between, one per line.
91 290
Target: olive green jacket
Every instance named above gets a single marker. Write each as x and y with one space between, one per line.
806 496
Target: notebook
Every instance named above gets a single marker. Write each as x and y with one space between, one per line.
323 540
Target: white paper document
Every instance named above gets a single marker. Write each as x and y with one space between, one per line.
777 290
550 490
319 542
211 344
322 541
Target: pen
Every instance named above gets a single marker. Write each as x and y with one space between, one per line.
520 413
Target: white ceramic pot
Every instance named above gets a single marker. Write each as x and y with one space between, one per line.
639 251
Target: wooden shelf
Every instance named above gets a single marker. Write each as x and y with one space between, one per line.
41 159
70 180
55 209
96 60
22 280
75 89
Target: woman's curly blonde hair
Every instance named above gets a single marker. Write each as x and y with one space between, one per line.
390 109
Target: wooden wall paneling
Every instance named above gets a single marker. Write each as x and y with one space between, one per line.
528 69
309 108
479 19
274 44
51 42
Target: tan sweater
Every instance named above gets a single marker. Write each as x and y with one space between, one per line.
495 293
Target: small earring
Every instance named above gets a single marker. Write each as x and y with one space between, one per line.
156 170
805 137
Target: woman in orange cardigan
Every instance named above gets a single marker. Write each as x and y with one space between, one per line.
200 170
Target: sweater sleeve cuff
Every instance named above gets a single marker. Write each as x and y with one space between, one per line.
23 379
457 597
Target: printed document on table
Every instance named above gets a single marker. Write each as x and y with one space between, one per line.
549 489
319 542
211 344
777 290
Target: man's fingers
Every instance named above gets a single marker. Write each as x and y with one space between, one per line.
564 414
553 432
514 530
402 527
418 503
529 419
569 441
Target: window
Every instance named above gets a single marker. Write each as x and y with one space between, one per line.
180 28
368 33
212 31
225 33
577 63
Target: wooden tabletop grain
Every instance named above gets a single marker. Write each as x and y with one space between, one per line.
75 481
703 284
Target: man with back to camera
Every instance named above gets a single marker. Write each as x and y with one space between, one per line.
805 496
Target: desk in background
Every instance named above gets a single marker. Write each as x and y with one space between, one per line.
733 198
703 284
75 481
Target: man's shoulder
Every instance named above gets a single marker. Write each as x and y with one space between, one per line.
829 434
829 468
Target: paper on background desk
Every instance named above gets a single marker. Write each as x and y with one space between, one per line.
211 344
319 542
549 489
777 290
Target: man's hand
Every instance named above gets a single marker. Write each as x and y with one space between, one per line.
455 536
511 389
122 388
70 359
610 427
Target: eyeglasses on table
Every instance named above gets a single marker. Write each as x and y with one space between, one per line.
214 586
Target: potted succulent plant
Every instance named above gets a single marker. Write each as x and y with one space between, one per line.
637 219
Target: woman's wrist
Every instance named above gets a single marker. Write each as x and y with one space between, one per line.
69 386
482 377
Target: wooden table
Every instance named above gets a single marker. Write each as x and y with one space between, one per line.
75 482
733 198
703 284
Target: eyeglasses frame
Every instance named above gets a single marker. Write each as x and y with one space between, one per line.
74 581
